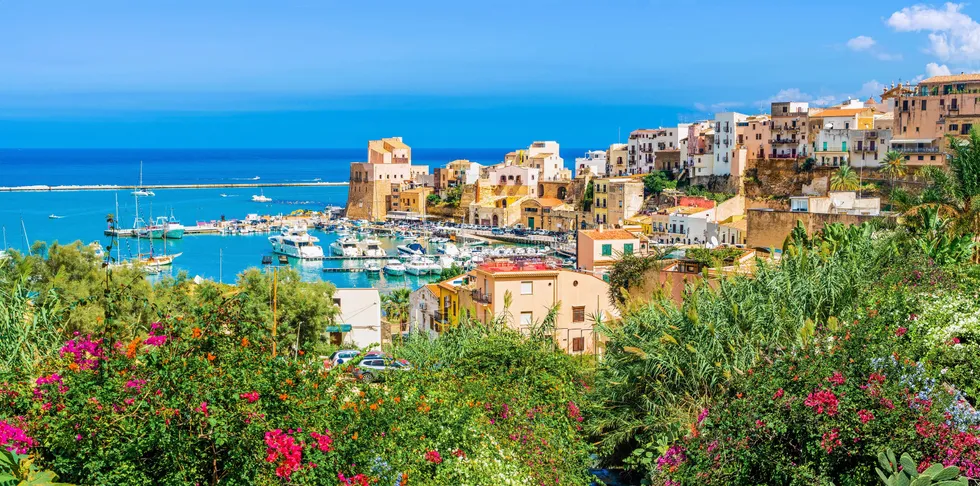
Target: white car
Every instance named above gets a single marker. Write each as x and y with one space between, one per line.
343 356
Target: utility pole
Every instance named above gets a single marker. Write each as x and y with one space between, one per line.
275 282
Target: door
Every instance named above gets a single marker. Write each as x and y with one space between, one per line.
530 223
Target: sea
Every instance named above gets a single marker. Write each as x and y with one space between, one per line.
24 216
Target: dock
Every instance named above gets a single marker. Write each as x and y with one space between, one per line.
46 188
188 230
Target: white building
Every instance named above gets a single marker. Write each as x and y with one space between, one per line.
725 142
594 160
545 157
359 323
422 304
515 175
834 147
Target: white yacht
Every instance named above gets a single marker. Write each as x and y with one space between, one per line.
261 197
411 249
345 246
371 247
435 267
296 242
394 268
417 266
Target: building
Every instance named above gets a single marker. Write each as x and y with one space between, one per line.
543 156
414 200
616 200
457 172
926 114
789 129
700 149
533 290
752 137
372 183
837 202
515 175
696 221
768 228
436 307
726 143
594 161
497 211
359 323
602 247
546 213
617 157
644 143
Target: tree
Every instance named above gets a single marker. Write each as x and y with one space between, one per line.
451 272
845 179
433 199
395 306
453 195
656 181
894 166
588 197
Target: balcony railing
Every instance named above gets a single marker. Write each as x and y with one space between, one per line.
481 297
784 140
439 316
784 156
916 150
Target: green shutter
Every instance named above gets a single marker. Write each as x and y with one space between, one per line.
628 249
606 250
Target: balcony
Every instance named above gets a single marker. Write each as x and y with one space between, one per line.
784 156
440 315
865 149
784 140
480 297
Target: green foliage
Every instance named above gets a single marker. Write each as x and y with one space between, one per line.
904 473
588 196
713 257
453 195
451 272
19 470
701 191
395 305
628 271
433 199
656 181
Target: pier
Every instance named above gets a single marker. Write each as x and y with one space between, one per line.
45 188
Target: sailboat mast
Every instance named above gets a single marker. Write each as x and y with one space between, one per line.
26 239
115 226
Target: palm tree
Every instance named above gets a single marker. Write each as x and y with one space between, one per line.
395 306
894 166
845 179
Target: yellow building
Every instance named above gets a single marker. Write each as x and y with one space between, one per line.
413 200
645 222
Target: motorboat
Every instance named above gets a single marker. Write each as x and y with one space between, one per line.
165 228
54 216
417 266
345 246
261 197
372 268
411 249
297 243
435 267
371 247
394 268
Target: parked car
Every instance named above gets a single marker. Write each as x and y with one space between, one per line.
497 231
343 356
374 369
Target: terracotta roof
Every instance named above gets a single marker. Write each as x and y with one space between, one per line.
609 234
549 201
952 79
434 288
840 112
541 156
741 225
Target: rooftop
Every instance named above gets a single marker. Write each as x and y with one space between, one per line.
952 79
609 234
840 112
549 202
517 266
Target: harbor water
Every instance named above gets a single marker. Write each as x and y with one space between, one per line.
25 216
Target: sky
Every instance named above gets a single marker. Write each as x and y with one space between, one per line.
326 73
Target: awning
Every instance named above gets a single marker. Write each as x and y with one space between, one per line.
340 328
913 140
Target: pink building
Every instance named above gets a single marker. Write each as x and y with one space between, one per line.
924 115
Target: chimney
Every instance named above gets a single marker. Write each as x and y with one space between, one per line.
600 228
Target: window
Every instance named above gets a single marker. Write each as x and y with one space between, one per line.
578 344
525 318
526 288
578 313
825 146
336 302
628 249
606 250
923 104
953 127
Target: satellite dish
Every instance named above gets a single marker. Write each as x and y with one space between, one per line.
714 241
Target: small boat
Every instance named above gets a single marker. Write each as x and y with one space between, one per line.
140 190
345 246
296 242
372 268
165 228
434 267
372 248
54 216
394 268
159 260
417 266
261 197
223 195
411 249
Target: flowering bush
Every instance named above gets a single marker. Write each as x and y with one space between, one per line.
195 401
823 412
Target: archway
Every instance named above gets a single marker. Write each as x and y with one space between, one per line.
540 190
496 221
562 193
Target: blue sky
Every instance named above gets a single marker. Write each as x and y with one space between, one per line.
324 73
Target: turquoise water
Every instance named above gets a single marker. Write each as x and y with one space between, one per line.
213 257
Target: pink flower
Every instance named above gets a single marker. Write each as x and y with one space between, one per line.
434 457
459 453
155 340
760 424
251 396
137 384
779 394
865 416
823 401
574 412
358 480
830 440
837 378
323 441
203 408
703 414
14 438
901 331
671 459
283 450
84 352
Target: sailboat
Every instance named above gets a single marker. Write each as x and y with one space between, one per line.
165 228
151 263
140 190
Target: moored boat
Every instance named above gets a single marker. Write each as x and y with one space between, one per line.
411 249
345 246
297 243
417 266
394 268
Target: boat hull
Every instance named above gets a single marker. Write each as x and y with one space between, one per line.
394 272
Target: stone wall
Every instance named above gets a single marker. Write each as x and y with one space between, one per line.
769 228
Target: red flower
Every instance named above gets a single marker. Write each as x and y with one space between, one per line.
434 457
778 394
822 401
901 331
865 416
836 379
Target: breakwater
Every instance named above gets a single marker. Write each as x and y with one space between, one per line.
68 188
